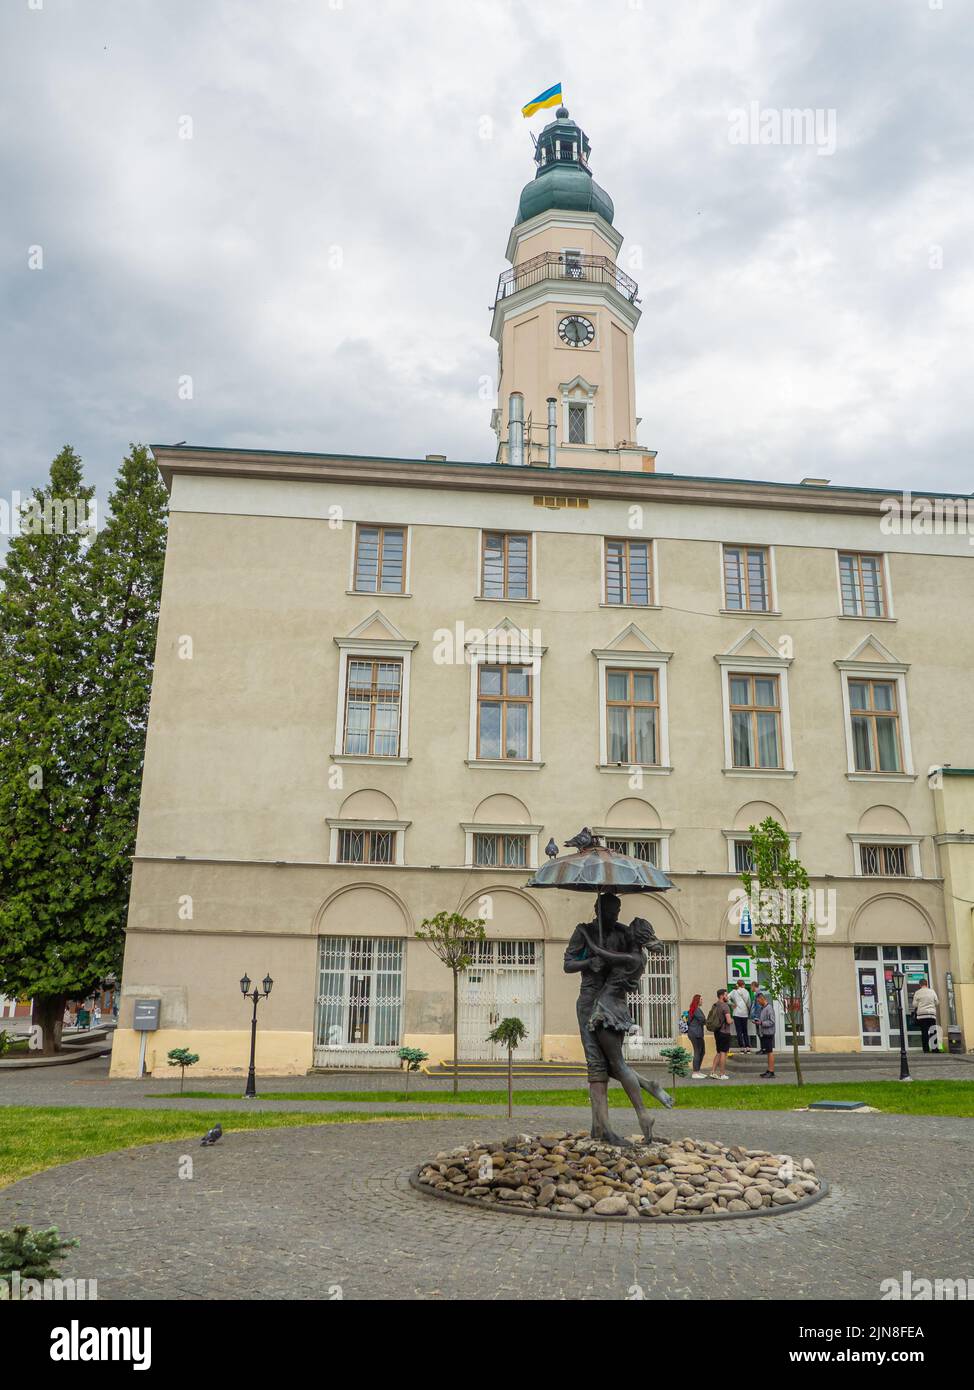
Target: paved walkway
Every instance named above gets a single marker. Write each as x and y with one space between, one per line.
88 1083
300 1213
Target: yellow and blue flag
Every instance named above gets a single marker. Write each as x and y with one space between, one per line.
552 97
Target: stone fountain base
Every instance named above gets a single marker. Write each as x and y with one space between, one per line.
572 1175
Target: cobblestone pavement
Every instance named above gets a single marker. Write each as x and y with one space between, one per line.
298 1213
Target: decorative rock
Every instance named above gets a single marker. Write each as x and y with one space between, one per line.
572 1174
611 1206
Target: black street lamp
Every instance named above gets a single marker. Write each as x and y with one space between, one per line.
268 983
898 978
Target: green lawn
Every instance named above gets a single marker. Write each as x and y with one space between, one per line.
36 1137
894 1097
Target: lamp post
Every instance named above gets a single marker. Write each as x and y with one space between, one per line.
898 978
268 983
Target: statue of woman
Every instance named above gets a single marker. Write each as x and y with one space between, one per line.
611 972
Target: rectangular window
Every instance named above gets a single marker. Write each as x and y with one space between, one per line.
875 726
577 424
367 846
632 716
573 264
628 572
504 695
500 851
746 582
373 700
755 711
743 857
649 850
380 559
862 586
505 565
886 861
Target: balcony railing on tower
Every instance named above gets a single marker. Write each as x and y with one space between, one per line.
556 265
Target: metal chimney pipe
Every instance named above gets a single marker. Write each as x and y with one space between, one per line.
515 429
552 431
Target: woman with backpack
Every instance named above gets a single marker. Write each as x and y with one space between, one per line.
719 1023
695 1023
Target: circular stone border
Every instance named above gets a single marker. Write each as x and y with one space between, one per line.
498 1210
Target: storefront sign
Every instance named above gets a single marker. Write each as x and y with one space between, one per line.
145 1016
747 926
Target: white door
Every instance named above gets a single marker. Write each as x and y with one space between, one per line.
504 981
654 1007
879 1008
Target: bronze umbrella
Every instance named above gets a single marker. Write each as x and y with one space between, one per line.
593 868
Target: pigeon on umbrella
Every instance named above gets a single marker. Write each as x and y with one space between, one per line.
212 1135
551 849
583 840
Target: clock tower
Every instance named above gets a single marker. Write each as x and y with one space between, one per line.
564 319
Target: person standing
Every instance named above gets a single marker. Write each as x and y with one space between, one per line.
755 1016
719 1023
695 1026
740 1002
925 1003
766 1027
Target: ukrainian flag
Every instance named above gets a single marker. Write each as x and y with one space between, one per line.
552 97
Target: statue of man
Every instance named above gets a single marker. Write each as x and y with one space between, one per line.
610 971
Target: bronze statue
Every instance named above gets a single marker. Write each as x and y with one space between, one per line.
610 972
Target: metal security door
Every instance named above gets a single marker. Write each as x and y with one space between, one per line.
358 1020
504 981
654 1007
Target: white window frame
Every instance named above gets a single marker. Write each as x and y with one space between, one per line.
568 391
369 648
773 611
375 594
478 590
889 615
614 832
480 653
399 827
911 842
894 671
732 836
607 657
472 828
756 666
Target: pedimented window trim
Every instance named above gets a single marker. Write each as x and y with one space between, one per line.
523 652
770 665
650 659
355 644
888 668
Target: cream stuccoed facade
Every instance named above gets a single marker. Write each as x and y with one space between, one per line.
382 685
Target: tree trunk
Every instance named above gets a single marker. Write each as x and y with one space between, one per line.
510 1082
794 1044
48 1011
456 1031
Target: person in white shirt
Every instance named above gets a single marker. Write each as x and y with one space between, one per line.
925 1003
740 1002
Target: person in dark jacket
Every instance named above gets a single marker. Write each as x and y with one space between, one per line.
695 1026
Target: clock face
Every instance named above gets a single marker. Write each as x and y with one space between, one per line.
576 331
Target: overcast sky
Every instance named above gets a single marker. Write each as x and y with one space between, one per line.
320 256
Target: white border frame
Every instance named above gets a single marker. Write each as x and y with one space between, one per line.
890 616
635 661
483 531
911 841
758 666
615 832
654 573
892 670
472 828
528 654
399 827
395 646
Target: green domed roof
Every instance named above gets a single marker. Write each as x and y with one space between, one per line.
563 179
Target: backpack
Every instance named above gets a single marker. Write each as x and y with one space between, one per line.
715 1019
